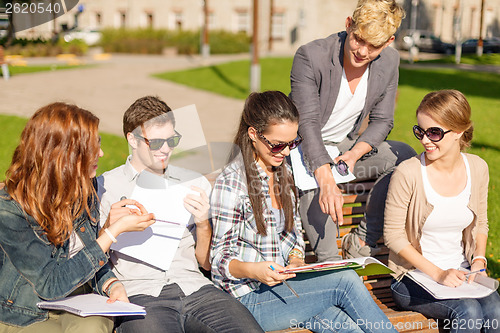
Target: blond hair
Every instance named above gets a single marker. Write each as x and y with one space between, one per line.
451 109
376 21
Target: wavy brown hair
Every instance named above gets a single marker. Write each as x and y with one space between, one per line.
260 111
50 171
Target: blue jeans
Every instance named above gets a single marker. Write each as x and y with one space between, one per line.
458 315
329 302
206 310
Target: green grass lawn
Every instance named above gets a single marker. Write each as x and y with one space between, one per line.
16 70
481 89
469 59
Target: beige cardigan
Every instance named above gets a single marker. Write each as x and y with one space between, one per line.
407 209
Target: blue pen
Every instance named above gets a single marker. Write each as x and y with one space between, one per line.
286 284
474 272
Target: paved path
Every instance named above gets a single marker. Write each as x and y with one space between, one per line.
109 88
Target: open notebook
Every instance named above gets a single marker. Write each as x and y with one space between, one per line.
362 266
481 287
93 305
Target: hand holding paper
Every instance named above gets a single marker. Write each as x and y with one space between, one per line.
157 245
198 205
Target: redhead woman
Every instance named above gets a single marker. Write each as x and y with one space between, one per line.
436 217
257 233
49 215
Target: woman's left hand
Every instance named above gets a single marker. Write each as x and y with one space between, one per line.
118 293
198 205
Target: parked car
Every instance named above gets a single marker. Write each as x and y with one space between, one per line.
426 41
89 36
490 45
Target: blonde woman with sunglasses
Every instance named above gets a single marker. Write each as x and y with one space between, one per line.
436 217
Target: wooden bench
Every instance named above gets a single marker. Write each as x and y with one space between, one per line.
355 195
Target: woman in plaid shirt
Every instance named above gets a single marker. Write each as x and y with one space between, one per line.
257 233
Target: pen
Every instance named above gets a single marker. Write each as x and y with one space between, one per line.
286 284
474 272
164 221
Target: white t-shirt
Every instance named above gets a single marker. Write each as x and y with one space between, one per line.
347 109
441 240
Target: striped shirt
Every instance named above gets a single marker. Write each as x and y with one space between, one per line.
235 231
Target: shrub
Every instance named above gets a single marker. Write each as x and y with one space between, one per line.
225 42
44 48
153 41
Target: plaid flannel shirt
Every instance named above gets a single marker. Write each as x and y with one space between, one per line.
235 231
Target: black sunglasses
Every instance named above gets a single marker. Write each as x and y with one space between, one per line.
155 144
434 134
342 168
279 147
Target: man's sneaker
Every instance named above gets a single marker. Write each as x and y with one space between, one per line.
351 248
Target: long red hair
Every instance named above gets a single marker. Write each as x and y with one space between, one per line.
50 173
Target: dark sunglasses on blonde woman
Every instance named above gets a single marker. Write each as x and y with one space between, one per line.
434 134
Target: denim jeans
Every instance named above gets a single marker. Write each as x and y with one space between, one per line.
206 310
334 301
458 315
378 164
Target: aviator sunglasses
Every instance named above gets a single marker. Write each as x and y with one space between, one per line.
279 147
434 134
155 144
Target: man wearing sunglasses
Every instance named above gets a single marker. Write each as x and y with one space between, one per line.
339 83
180 299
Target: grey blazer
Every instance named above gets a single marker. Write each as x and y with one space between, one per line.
315 81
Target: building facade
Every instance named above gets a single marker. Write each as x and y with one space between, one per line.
283 25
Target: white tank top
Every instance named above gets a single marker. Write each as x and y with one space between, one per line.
441 240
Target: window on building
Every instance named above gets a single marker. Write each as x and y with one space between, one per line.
278 26
123 19
98 19
242 21
149 20
178 20
211 21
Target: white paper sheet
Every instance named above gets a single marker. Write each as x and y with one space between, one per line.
304 179
439 291
157 244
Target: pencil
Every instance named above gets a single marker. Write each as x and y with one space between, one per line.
164 221
286 284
